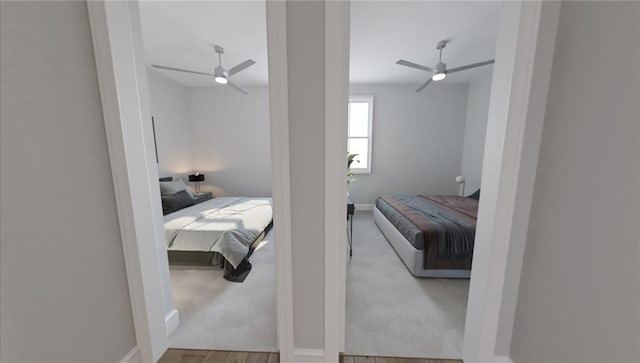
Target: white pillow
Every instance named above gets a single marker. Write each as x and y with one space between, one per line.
172 187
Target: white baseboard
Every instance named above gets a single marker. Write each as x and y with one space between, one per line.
308 356
172 320
132 357
502 359
364 207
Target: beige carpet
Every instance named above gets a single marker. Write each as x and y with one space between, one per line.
223 315
392 313
389 312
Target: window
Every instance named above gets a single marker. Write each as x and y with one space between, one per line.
359 132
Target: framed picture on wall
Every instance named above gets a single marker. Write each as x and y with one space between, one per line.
155 142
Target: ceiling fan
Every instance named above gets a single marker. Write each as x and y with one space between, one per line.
440 71
220 75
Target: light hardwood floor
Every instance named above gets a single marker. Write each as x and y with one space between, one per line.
219 356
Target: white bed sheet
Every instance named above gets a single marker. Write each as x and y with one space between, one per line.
227 225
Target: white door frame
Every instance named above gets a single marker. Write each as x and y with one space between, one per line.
120 66
279 114
522 72
116 34
524 53
337 45
336 96
516 112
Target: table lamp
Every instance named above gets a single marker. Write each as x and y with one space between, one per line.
196 178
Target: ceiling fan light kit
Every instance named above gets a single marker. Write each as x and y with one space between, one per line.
438 76
440 71
220 74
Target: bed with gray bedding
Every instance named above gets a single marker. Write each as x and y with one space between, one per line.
433 235
225 225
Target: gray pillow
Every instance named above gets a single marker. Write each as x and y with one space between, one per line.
175 202
172 187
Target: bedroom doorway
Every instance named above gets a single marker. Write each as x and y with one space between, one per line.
432 302
208 86
414 221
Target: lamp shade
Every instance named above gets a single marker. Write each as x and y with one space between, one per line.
196 177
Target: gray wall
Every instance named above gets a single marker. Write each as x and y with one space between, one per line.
475 131
579 294
64 294
417 140
305 60
170 110
231 139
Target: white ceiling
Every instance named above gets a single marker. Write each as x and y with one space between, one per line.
179 34
383 32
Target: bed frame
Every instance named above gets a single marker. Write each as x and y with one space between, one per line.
410 256
204 258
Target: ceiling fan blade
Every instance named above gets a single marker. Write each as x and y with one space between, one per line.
405 63
240 67
474 65
425 84
181 70
236 87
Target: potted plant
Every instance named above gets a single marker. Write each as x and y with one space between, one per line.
350 160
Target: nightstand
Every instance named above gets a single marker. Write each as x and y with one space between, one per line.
201 197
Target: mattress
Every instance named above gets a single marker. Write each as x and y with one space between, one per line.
443 227
410 231
227 225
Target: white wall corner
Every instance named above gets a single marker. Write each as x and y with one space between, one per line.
133 356
172 320
308 356
502 359
364 207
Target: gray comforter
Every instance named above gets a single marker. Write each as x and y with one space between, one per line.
227 225
442 226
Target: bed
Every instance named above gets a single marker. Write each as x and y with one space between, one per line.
225 226
432 235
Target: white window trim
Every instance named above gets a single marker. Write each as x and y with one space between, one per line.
369 100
